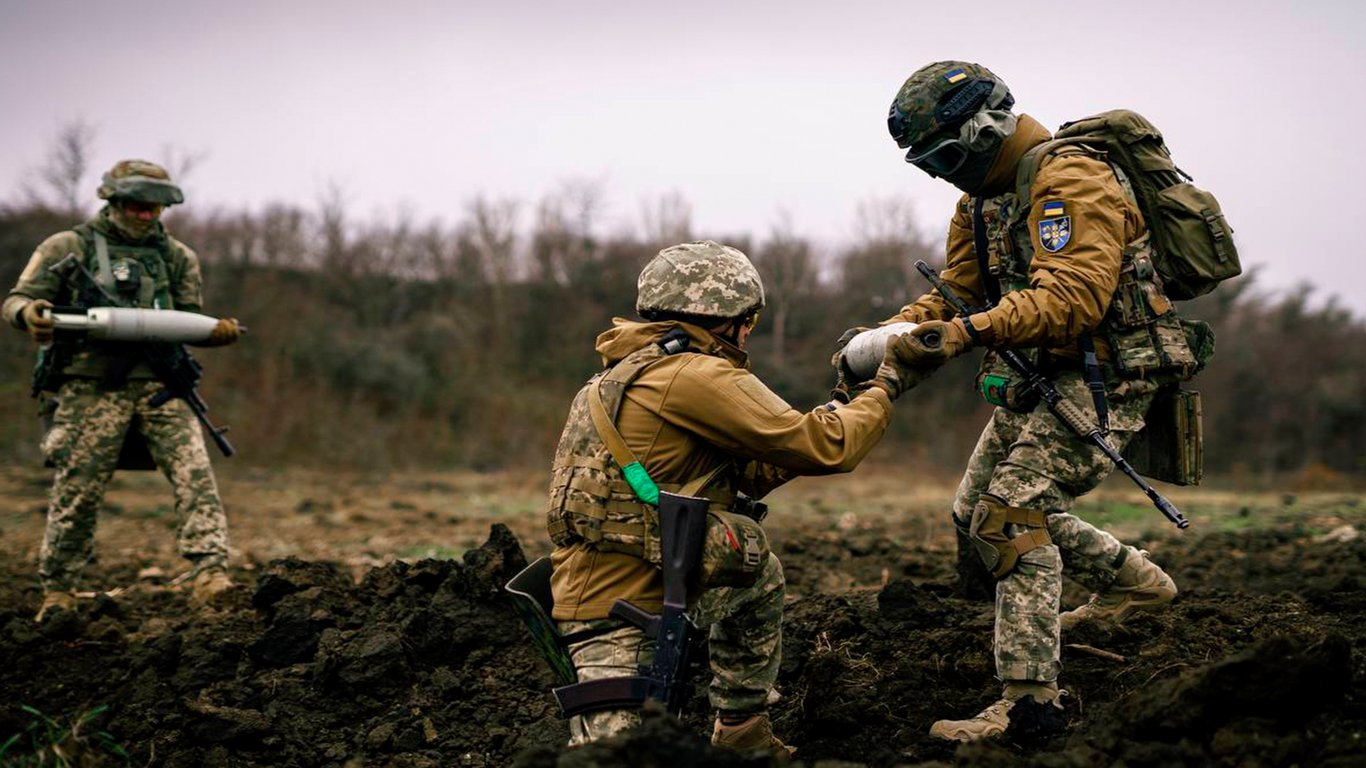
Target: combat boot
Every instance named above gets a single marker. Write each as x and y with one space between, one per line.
753 734
1026 708
209 584
57 600
1139 585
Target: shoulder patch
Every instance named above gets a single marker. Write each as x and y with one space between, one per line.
1055 233
1053 208
763 396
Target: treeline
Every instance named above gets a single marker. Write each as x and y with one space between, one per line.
398 344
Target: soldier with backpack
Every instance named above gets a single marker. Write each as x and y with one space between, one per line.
1069 250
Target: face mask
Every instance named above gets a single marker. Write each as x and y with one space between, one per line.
964 160
130 225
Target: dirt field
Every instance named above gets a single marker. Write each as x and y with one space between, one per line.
371 630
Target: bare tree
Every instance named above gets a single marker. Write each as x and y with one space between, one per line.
667 219
789 270
65 168
181 163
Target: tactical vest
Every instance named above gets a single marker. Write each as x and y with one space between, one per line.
136 275
1140 336
590 500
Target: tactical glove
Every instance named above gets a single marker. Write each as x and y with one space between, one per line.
898 373
934 342
843 376
226 332
39 327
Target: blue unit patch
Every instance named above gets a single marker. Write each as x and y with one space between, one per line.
1055 234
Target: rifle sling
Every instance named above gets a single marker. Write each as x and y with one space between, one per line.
990 285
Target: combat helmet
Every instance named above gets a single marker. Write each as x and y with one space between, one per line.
702 279
141 181
938 98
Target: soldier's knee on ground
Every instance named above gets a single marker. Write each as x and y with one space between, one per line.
1001 533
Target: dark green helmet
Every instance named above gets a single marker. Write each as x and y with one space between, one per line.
704 279
141 181
938 98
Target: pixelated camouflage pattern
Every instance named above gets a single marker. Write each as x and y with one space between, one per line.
1032 460
702 278
84 444
920 94
141 181
745 638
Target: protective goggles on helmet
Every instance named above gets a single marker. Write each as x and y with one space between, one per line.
985 130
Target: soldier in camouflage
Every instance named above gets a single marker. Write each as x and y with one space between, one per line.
1056 265
678 393
102 388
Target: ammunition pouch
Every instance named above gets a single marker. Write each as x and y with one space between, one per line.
1170 447
1146 337
735 549
998 550
1000 385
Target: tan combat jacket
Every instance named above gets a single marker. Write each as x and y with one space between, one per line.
685 415
1069 290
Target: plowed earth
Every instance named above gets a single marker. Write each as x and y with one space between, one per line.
420 662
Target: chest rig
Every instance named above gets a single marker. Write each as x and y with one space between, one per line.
1140 336
136 275
591 499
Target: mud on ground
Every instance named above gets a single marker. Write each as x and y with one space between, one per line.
420 662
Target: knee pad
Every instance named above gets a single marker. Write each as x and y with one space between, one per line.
998 550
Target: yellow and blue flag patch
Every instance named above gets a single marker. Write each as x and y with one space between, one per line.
1053 208
956 75
1055 233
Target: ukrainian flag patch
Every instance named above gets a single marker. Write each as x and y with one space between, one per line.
1053 208
1055 234
956 76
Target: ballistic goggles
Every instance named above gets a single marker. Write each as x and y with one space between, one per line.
980 109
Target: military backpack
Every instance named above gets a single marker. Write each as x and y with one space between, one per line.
1192 241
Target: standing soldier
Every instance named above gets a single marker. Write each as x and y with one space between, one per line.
103 387
677 393
1044 262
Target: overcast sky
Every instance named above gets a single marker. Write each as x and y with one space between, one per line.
750 110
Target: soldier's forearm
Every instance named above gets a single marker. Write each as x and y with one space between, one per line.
13 310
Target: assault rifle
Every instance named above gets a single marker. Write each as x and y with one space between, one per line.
178 371
1065 410
683 529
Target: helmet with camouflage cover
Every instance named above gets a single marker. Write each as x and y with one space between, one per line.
704 279
141 181
940 97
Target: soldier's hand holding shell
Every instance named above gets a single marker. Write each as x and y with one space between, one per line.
225 332
39 326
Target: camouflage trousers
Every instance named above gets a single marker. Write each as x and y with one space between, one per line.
1033 460
84 442
744 640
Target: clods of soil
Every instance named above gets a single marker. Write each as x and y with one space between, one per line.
1258 662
